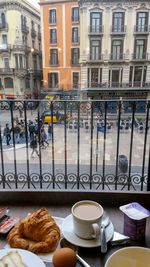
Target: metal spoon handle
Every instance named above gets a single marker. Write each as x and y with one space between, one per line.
83 261
103 239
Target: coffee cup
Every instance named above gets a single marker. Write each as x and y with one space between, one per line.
87 217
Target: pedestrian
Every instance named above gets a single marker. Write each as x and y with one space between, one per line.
43 138
33 145
17 130
7 134
49 137
31 129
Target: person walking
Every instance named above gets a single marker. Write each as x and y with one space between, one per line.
49 137
7 134
33 145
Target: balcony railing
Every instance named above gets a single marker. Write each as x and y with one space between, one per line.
5 47
140 56
141 29
76 41
6 71
96 30
39 36
25 29
22 47
33 33
117 57
94 145
74 62
53 62
95 57
3 26
138 85
53 41
117 30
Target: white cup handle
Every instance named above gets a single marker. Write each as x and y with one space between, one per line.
96 230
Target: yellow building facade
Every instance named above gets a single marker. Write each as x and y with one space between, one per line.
20 50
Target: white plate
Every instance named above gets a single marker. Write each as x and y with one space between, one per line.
28 258
68 233
47 257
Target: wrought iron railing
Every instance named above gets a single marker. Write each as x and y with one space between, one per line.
93 145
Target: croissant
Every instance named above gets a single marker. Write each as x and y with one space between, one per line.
37 233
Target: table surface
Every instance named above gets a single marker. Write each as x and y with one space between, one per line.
92 256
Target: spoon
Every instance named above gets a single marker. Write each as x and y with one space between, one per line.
105 222
64 243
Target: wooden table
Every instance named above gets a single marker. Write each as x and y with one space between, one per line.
93 256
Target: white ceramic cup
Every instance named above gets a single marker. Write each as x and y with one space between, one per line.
87 217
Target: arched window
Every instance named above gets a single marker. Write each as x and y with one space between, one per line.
3 19
8 82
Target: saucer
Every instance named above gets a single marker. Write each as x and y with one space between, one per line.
68 233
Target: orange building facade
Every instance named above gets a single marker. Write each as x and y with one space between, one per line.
60 29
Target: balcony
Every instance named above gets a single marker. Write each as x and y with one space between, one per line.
54 63
5 48
74 63
22 47
39 36
96 30
6 71
117 57
66 168
141 29
21 73
3 26
140 57
95 58
25 29
37 73
76 41
118 30
53 41
33 33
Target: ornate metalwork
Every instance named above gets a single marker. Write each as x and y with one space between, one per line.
88 180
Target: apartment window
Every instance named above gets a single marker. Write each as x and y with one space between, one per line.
75 79
75 14
95 50
115 77
8 82
16 61
32 24
1 86
75 35
94 77
52 16
54 56
140 49
75 56
35 63
4 39
118 22
117 49
2 20
27 83
53 36
95 22
137 76
6 63
142 21
53 80
21 61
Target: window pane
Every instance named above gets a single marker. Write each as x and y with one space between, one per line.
8 83
75 14
53 80
52 16
75 79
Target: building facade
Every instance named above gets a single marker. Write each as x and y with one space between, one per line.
101 47
115 48
60 35
20 50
